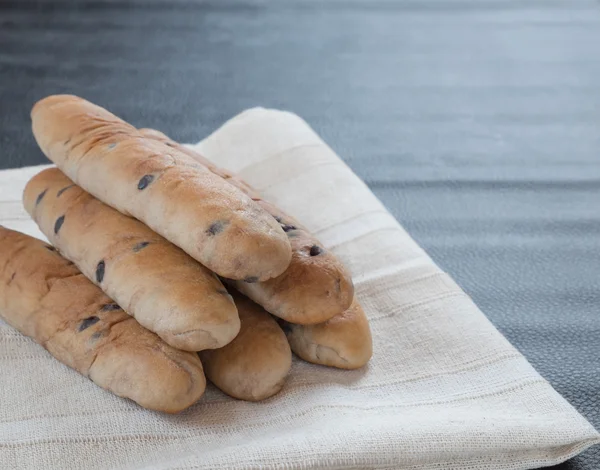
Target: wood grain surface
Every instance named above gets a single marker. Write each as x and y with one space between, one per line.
477 123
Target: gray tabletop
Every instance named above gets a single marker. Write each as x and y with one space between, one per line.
476 122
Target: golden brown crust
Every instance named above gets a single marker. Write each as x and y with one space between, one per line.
178 198
344 341
254 365
45 297
162 287
314 288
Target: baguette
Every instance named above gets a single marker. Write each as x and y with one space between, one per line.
314 288
344 341
254 365
45 297
157 283
179 199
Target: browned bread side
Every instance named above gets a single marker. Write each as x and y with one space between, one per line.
157 283
344 341
315 287
45 297
254 365
163 187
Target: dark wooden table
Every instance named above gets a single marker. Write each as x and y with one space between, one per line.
477 123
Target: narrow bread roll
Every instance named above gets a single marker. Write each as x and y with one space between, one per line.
157 283
344 341
254 365
314 288
179 199
45 297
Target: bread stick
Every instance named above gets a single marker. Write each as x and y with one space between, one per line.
157 283
254 365
44 296
344 341
179 199
315 287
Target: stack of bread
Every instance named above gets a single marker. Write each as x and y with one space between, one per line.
164 269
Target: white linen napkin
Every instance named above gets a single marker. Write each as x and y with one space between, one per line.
444 389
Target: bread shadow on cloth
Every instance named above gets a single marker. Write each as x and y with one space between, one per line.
307 386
